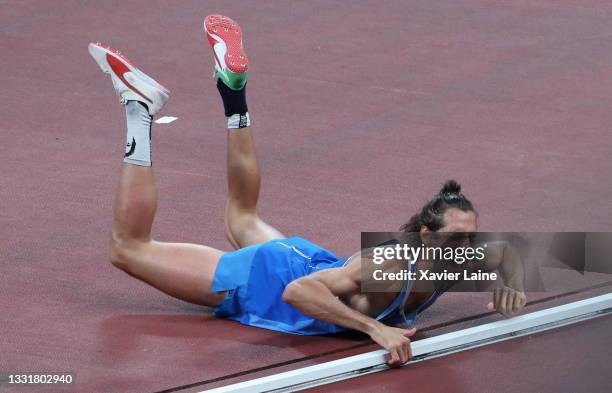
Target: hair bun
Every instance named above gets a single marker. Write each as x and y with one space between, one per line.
450 187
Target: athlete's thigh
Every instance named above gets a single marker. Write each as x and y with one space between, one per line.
184 271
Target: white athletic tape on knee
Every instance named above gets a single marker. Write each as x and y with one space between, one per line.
239 121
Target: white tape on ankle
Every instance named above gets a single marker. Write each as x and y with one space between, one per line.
239 121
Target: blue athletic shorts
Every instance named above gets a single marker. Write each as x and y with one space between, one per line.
256 276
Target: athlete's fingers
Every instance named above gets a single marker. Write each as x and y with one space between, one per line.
496 297
491 306
409 332
520 301
400 355
394 358
409 350
501 306
403 353
517 302
510 302
523 300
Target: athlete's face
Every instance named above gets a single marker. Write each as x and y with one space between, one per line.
457 222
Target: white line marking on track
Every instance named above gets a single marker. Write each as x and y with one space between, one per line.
166 119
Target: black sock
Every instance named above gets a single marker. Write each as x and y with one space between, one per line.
234 101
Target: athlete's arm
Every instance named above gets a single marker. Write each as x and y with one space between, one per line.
501 256
318 295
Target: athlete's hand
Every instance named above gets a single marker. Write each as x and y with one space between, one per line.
394 340
507 301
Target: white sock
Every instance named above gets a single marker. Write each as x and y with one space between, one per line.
138 147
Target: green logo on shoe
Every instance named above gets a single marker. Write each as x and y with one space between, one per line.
232 80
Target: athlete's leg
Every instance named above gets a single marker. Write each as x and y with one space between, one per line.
184 271
243 225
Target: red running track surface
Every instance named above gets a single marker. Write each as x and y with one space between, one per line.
360 113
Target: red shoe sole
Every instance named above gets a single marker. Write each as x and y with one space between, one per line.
229 31
115 52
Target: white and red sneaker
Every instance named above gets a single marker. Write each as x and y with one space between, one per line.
130 83
225 38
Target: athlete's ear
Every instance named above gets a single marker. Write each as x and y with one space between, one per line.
425 232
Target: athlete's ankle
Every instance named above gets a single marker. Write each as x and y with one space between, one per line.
235 106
